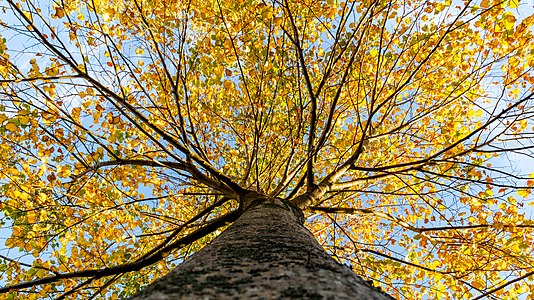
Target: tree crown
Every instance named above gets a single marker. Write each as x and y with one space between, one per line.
130 131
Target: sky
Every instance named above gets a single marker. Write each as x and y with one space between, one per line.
523 164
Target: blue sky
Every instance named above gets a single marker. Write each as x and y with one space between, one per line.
522 164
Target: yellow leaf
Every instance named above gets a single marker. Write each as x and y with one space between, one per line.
513 3
42 216
28 15
373 52
523 192
53 70
105 17
479 284
474 113
509 21
105 28
10 243
31 217
24 120
11 127
86 104
60 13
42 198
228 84
63 171
50 89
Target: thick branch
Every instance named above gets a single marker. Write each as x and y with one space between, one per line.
313 99
138 264
502 286
119 101
349 210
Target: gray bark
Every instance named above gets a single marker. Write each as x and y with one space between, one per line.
266 254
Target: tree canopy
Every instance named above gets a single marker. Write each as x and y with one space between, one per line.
403 130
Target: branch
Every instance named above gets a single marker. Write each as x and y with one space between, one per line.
27 265
136 265
43 78
404 262
349 210
313 99
386 216
204 212
118 101
135 162
502 286
456 143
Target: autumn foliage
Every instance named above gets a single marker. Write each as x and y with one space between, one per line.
403 129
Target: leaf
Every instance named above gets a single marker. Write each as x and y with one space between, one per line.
513 3
11 127
523 192
63 171
106 16
396 128
31 217
24 120
509 21
60 13
228 84
373 52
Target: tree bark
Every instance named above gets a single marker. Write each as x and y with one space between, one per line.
266 254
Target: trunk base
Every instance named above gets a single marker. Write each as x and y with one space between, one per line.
265 254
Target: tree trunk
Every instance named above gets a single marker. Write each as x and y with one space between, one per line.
266 254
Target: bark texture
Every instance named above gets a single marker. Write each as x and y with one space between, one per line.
266 254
